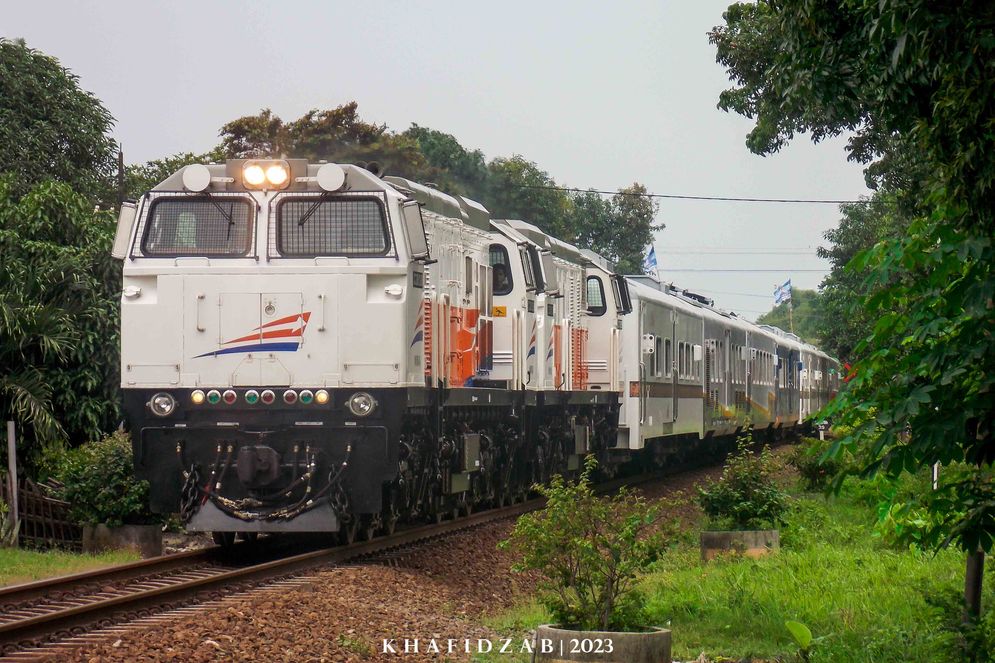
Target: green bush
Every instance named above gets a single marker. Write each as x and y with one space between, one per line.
588 551
814 468
746 496
100 484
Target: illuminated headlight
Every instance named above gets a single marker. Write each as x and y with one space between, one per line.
277 174
264 174
197 397
321 397
253 174
162 404
361 404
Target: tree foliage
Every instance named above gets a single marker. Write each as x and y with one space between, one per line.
806 312
618 228
51 129
58 316
844 321
100 485
746 496
913 82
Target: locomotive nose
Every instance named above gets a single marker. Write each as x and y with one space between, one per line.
258 466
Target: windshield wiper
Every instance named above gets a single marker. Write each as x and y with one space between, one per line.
311 210
227 215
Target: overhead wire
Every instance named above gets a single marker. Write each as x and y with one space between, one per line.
676 196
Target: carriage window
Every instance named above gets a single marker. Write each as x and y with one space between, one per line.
595 296
198 226
668 358
501 270
468 275
324 226
658 358
527 266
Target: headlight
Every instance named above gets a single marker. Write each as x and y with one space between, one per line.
162 404
197 397
261 174
361 404
253 174
321 397
277 174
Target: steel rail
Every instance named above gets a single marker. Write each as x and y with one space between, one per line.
23 634
27 632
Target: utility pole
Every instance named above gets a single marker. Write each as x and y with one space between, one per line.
12 473
120 176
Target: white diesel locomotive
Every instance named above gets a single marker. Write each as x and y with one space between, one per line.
313 347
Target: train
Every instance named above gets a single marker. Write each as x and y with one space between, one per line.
309 346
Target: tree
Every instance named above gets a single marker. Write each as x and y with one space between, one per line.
58 316
806 312
140 178
518 189
459 170
618 228
336 135
912 80
843 321
51 129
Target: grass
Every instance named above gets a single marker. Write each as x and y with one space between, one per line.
863 598
17 565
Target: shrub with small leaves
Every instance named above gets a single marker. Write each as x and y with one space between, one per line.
588 551
99 482
746 496
813 465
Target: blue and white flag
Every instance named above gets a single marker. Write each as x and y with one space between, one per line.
649 262
782 293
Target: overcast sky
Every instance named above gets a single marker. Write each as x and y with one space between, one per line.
598 94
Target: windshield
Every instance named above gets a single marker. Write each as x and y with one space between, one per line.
328 226
198 226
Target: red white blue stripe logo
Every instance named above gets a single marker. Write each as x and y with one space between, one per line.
283 335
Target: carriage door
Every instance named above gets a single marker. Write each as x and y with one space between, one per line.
670 363
711 388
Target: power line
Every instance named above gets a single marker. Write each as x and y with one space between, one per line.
739 294
706 269
713 252
675 196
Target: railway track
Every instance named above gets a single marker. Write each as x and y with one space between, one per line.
35 617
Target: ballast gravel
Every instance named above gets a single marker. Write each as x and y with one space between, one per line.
437 592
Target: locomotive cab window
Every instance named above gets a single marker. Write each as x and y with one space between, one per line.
501 270
198 226
309 226
527 268
596 304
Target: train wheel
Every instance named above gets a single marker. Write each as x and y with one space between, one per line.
437 508
224 539
371 524
391 512
390 524
348 530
